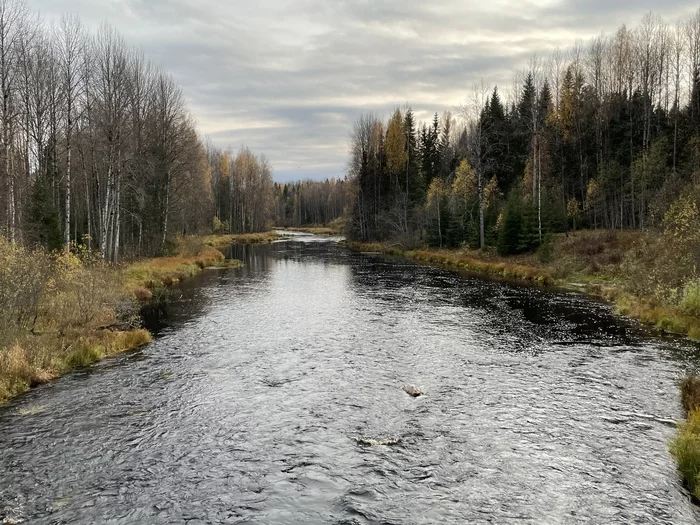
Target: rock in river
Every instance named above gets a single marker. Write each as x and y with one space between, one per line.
413 391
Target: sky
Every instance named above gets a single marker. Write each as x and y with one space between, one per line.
288 78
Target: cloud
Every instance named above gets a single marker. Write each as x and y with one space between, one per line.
288 77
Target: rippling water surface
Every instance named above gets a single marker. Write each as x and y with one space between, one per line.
256 403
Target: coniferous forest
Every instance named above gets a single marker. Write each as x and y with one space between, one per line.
603 135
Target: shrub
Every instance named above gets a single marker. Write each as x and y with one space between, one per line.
545 253
690 303
191 246
24 278
86 294
170 247
216 226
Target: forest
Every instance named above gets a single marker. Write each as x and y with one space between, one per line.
310 202
603 135
98 147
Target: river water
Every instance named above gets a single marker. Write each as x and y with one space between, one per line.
268 388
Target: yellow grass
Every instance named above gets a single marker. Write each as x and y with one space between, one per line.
142 277
37 359
686 449
686 444
462 260
223 241
316 229
161 272
76 305
662 317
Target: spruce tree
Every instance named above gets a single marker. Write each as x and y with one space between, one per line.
509 232
43 225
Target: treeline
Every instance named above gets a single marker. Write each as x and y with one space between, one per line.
97 145
310 202
243 191
604 135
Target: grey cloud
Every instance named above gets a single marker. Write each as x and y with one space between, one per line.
289 77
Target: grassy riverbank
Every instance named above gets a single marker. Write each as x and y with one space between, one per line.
60 312
193 255
336 227
226 240
460 259
686 445
601 263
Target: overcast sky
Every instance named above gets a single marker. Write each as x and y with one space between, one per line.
288 77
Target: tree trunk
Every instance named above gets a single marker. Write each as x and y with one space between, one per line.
68 183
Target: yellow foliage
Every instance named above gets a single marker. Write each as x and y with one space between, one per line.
465 184
491 192
681 221
573 208
395 145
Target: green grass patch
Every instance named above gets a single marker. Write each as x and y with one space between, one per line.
685 447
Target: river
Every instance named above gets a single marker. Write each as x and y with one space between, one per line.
266 387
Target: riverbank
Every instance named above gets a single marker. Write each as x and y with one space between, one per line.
336 227
145 277
593 262
314 230
61 312
686 445
225 240
459 260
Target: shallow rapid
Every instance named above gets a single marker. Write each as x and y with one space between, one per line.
274 394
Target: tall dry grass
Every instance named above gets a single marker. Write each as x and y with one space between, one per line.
223 241
57 312
193 254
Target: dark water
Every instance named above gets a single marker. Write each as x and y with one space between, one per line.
540 408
